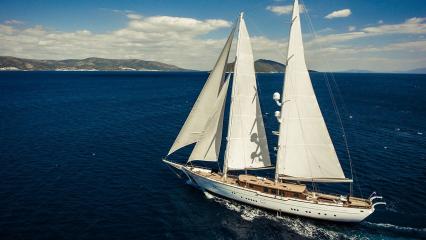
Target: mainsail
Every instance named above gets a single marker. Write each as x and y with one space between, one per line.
198 120
305 149
247 146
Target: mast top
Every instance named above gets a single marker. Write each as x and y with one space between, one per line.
241 15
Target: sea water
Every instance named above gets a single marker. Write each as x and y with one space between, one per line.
80 156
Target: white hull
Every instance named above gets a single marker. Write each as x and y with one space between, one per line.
305 208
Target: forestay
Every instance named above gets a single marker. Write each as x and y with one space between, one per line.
305 149
247 145
202 111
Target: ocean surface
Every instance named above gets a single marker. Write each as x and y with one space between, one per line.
80 157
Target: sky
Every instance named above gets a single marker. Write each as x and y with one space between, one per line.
376 35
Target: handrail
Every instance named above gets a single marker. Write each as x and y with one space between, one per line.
378 203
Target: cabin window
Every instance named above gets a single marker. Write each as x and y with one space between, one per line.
250 185
295 195
273 191
265 189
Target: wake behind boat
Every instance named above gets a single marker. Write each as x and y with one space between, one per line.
305 152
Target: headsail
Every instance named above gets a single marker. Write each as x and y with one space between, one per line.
207 149
197 120
305 149
247 146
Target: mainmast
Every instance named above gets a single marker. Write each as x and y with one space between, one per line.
305 149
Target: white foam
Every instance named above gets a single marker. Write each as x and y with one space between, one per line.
395 227
307 228
300 226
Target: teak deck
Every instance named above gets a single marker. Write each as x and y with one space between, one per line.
285 189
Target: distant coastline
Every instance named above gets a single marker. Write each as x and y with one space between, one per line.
88 64
8 63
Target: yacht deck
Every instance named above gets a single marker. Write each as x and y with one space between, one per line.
284 189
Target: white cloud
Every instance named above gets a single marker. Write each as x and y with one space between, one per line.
119 11
5 29
13 22
176 25
410 46
174 40
339 14
134 16
185 42
394 56
351 28
380 22
388 58
410 26
285 9
339 37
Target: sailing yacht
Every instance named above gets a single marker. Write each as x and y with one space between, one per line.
305 152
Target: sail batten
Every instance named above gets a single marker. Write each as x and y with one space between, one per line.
305 149
246 142
196 123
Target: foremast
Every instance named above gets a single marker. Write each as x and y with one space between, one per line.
247 146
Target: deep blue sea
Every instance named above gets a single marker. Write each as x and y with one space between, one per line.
80 157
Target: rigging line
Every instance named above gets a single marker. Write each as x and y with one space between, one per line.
346 112
333 100
171 169
258 29
218 166
310 24
230 121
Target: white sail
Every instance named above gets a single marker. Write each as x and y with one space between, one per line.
207 149
247 146
305 149
196 122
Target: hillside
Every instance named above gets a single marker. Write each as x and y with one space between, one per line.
103 64
415 71
12 63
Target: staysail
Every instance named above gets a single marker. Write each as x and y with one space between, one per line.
208 147
202 111
247 146
305 149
